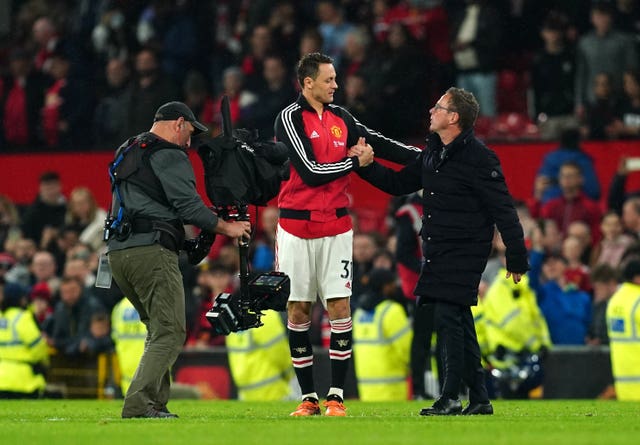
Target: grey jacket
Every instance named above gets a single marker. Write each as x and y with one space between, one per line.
174 171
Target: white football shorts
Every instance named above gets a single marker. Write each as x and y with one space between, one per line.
317 267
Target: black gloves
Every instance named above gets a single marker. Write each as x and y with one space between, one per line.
198 248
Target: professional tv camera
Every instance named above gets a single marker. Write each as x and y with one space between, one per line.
239 171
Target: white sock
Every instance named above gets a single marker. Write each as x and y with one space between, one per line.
337 392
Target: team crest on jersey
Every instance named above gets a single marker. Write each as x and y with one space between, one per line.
336 131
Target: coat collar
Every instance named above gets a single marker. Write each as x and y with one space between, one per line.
434 142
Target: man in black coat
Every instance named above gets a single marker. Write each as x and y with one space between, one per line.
465 195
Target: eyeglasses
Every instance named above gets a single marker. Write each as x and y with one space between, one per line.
437 106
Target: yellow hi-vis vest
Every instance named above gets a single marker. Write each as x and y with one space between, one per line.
21 347
129 334
381 351
259 360
623 325
515 323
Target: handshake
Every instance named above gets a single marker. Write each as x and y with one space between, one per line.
363 152
198 248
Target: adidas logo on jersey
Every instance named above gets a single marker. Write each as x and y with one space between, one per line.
314 135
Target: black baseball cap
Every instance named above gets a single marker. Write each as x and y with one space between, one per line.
171 111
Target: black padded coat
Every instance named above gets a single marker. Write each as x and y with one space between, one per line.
465 196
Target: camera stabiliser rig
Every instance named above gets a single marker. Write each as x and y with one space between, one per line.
240 170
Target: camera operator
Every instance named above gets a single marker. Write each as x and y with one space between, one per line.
154 195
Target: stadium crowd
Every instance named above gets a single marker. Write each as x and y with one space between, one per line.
85 75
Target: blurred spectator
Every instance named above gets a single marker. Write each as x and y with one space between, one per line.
581 231
613 244
277 93
574 204
569 150
72 317
566 309
129 334
576 272
333 27
68 106
618 186
47 210
22 98
631 216
623 323
259 361
99 338
381 340
286 24
310 42
627 122
360 102
169 26
553 77
149 90
603 48
605 283
9 224
239 99
198 98
264 243
83 213
43 270
109 117
355 54
395 71
364 249
40 303
599 115
23 252
6 263
109 36
46 37
476 34
260 45
23 352
213 279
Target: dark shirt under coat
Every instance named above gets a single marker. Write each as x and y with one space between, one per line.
464 196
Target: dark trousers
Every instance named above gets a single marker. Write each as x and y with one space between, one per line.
150 278
421 347
460 353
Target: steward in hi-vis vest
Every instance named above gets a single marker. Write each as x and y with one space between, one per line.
259 360
381 341
23 351
129 334
623 324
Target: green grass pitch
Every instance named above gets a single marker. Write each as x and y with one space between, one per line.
69 422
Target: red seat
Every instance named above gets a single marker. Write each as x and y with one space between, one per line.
511 93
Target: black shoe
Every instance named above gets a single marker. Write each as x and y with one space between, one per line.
443 407
164 409
153 413
478 408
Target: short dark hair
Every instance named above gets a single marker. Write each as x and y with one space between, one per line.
465 104
604 273
50 176
309 65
